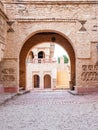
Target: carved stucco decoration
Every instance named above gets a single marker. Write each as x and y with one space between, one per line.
8 74
89 73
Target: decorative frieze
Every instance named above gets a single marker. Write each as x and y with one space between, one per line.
38 10
21 20
89 73
8 74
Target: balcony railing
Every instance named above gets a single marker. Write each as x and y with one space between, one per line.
41 61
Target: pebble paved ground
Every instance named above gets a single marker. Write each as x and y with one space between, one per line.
57 110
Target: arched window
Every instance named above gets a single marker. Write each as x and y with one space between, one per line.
31 55
36 81
41 55
47 81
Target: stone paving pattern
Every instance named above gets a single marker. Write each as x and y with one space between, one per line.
4 97
54 110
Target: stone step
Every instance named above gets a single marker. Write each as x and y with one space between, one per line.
21 88
21 92
73 92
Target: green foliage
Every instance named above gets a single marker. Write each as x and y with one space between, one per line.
66 60
58 59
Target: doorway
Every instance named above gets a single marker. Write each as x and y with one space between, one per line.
47 81
36 81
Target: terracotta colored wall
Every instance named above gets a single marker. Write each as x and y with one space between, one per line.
73 26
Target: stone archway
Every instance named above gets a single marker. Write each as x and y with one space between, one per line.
41 37
47 81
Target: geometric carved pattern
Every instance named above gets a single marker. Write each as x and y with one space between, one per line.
89 73
82 23
8 74
8 78
10 26
8 71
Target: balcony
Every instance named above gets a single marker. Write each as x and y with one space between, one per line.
41 61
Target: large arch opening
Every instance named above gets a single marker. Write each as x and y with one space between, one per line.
41 37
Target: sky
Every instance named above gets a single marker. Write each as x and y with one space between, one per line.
59 51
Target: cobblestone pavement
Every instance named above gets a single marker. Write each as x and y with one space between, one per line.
4 97
55 110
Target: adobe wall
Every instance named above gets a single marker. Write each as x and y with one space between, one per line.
3 33
76 21
3 30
